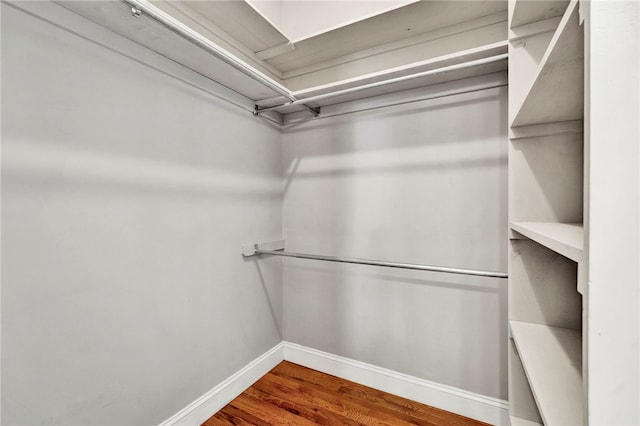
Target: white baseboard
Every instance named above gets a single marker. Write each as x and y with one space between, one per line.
491 410
214 400
465 403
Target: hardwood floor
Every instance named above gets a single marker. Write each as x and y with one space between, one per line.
294 395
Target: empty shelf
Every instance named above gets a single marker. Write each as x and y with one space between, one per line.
552 361
556 93
566 239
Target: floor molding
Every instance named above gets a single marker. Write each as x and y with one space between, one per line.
465 403
469 404
211 402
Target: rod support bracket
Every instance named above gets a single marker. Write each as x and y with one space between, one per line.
135 12
249 250
257 109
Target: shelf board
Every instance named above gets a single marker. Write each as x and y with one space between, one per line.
556 92
566 239
116 16
242 31
468 55
238 19
552 361
528 11
390 27
517 421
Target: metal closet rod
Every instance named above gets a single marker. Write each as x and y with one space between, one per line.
382 83
414 266
142 6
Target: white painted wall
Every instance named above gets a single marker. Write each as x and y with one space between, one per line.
425 183
613 107
127 190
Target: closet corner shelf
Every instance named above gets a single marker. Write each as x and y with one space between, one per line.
563 238
527 11
556 92
552 361
517 421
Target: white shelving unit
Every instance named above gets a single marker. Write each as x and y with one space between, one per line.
546 190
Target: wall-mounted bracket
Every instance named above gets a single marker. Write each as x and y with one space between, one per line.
250 249
258 109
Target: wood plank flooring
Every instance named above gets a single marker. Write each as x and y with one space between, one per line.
294 395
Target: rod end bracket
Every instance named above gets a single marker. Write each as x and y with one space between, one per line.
249 250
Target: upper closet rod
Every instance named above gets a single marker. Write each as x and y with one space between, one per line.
143 6
350 90
448 270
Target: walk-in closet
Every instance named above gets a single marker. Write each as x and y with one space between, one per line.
401 211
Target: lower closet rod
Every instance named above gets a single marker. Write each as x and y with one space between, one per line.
384 263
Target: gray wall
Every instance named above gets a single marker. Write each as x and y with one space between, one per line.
423 183
126 194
